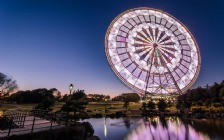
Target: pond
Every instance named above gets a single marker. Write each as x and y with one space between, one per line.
157 128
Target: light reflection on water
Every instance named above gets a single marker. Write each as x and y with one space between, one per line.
105 128
162 129
1 113
156 128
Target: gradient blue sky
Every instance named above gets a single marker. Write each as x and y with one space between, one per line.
52 43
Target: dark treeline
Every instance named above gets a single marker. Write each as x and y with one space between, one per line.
32 96
203 96
130 97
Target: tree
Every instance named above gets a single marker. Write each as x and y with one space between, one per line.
46 104
76 103
184 106
178 107
169 104
56 93
126 105
151 105
78 95
33 96
162 105
64 98
107 97
7 84
144 108
131 97
221 93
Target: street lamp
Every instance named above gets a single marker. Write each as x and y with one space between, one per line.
105 105
71 87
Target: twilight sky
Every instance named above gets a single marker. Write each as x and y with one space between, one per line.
52 43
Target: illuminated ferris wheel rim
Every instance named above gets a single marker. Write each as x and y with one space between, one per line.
182 90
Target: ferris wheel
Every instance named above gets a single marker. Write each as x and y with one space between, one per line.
152 52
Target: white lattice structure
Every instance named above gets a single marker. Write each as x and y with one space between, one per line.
151 51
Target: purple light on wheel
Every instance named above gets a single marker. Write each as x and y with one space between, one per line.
151 51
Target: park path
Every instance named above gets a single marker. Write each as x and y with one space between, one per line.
39 125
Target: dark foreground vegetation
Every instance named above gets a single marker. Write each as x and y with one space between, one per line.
205 101
78 132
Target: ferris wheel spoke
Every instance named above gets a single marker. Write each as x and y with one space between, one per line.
166 58
161 36
163 58
162 46
150 59
156 34
140 40
151 34
141 45
149 37
143 36
143 56
168 43
165 39
168 48
141 50
168 53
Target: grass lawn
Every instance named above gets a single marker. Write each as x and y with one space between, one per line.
5 107
208 108
25 107
20 107
112 107
97 107
93 107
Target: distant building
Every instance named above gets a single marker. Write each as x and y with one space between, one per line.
167 97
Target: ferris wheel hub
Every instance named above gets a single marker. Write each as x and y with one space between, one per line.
155 45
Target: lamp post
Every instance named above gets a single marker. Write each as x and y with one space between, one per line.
71 87
105 105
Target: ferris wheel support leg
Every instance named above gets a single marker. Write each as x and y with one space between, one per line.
175 83
148 73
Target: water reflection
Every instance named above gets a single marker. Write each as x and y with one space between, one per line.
1 113
157 128
169 128
127 122
211 127
105 128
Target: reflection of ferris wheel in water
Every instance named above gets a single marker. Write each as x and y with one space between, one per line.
151 51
